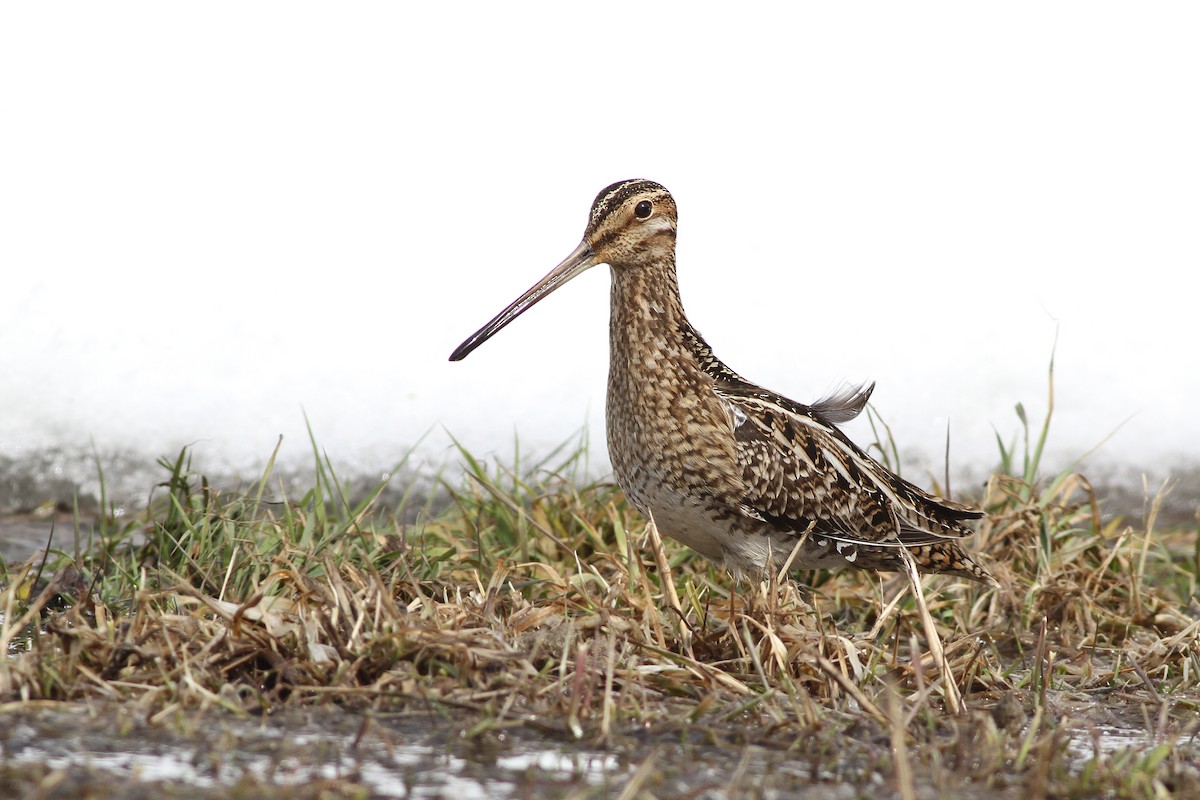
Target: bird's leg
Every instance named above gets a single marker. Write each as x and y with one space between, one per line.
668 583
953 698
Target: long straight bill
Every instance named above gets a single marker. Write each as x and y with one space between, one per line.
581 259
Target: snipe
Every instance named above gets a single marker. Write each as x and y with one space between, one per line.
742 475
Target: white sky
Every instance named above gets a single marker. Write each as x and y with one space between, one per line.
215 217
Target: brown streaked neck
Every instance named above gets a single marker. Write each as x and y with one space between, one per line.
646 321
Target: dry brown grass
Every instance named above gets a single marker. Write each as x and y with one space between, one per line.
538 603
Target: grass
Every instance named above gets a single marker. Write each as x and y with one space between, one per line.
537 601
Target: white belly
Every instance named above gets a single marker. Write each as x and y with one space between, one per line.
724 542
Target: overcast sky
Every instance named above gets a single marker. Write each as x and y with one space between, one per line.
217 217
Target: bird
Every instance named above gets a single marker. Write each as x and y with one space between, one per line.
742 475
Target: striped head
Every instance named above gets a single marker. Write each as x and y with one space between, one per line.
631 225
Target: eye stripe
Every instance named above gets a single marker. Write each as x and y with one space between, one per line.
613 197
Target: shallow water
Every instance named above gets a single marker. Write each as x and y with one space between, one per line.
411 770
422 757
403 759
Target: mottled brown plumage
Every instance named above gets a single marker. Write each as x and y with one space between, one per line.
742 475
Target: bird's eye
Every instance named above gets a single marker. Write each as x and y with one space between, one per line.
643 209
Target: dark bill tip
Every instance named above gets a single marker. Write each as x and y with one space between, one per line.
581 259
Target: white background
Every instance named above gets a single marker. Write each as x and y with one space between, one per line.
216 218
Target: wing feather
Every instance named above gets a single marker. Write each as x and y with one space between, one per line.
802 473
842 405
